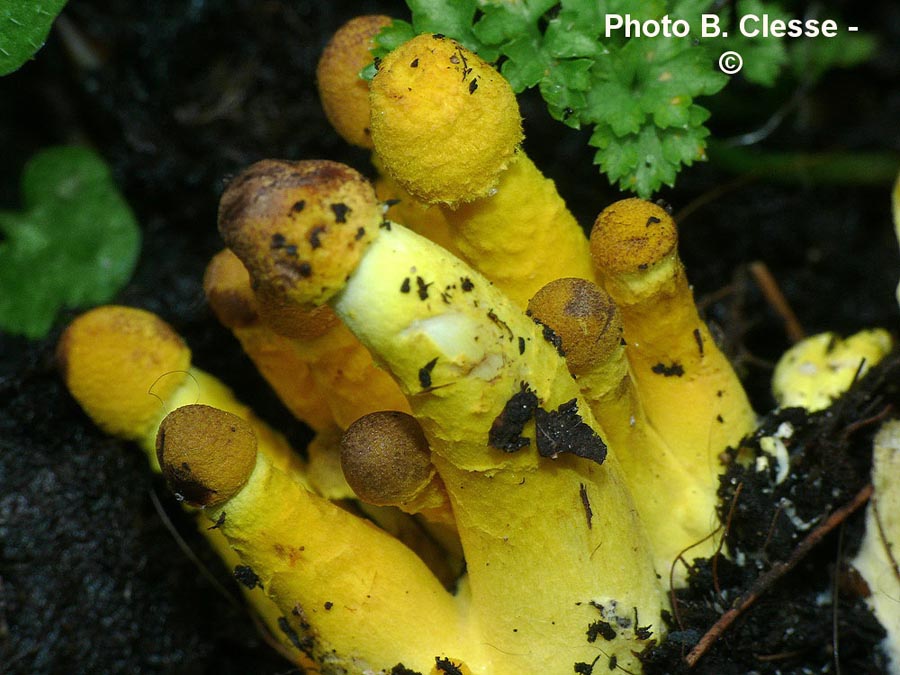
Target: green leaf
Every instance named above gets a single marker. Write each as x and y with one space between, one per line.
645 161
811 57
564 89
764 57
24 25
452 18
74 244
388 38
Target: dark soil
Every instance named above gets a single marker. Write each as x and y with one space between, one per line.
187 92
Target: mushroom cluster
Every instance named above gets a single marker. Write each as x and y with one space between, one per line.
519 429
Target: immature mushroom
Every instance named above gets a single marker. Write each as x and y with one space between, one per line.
677 510
352 598
345 98
476 370
126 367
446 126
690 392
387 462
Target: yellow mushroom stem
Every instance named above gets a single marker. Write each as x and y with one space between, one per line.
345 99
690 393
446 126
352 598
484 385
316 366
876 560
387 462
677 510
126 367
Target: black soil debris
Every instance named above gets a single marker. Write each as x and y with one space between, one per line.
563 430
246 576
506 431
816 613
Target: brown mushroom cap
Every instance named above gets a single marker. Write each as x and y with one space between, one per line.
385 458
344 95
632 235
583 316
300 228
206 454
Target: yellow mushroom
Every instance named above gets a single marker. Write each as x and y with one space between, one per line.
277 358
446 126
344 94
677 510
352 598
690 393
483 383
126 367
345 98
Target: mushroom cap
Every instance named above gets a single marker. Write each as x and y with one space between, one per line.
230 295
444 122
632 235
583 316
300 228
206 454
120 363
385 458
344 94
818 369
226 284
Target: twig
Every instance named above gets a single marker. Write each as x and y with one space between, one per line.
777 301
778 570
